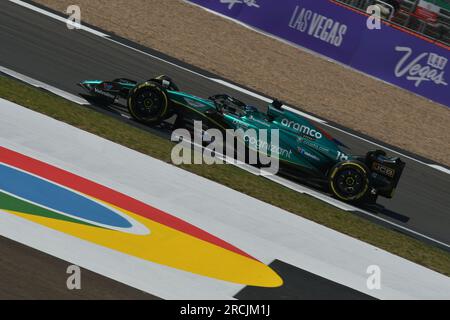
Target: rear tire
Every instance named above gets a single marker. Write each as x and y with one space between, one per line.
148 103
349 181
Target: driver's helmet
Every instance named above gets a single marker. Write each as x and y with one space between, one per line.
250 110
226 103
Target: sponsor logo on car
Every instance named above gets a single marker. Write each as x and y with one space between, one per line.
312 144
264 146
302 129
308 154
383 169
104 93
194 103
240 124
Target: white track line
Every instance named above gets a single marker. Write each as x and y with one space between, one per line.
42 85
225 83
56 17
437 167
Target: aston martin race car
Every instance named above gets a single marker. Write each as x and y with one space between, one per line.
305 151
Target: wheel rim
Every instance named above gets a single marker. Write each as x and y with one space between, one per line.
148 104
350 183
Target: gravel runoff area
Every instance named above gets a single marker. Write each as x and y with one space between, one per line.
324 88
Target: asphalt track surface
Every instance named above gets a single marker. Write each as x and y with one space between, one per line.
45 49
27 273
301 285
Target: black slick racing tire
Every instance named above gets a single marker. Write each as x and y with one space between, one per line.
349 181
148 103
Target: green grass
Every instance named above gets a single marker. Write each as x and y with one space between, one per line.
231 176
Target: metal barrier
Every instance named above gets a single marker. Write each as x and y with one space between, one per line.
389 10
437 29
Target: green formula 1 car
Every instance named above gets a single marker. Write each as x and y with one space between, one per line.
305 151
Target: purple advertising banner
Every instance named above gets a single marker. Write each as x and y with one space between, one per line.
342 34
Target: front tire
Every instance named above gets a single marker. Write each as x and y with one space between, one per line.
148 103
349 181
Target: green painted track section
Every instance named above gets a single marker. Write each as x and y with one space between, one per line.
10 203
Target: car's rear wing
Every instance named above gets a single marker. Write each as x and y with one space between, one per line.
385 171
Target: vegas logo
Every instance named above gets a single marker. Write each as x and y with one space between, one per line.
425 67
